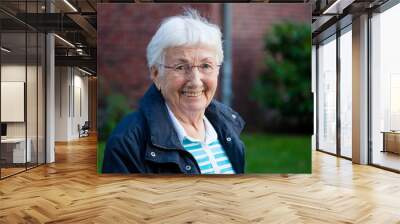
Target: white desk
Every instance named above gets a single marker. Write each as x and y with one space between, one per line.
18 154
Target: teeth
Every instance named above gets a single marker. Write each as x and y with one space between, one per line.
192 94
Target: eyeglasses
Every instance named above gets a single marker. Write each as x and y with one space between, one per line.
184 69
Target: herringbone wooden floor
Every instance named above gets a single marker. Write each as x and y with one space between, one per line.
70 191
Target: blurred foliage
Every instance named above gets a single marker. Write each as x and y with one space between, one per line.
115 108
285 86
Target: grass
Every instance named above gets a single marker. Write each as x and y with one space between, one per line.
277 153
266 153
100 154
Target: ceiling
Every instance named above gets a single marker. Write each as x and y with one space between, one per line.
72 20
329 15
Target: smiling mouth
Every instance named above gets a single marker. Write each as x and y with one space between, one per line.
192 93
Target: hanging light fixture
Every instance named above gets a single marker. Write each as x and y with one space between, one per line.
5 50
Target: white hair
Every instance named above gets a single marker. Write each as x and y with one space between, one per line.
184 30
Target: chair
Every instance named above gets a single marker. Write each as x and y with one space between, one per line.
84 130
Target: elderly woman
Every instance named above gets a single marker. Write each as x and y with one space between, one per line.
179 128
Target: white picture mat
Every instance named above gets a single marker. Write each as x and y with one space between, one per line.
12 101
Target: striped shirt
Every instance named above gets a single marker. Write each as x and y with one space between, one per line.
209 154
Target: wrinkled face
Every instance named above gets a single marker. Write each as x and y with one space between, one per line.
192 91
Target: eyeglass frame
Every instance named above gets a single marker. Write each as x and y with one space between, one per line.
191 68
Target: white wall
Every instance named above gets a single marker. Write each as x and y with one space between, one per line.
62 81
14 72
71 94
17 73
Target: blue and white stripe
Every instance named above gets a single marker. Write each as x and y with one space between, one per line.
211 157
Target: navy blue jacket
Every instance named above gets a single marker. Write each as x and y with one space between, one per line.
145 141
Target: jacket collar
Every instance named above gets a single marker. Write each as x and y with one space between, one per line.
210 134
162 131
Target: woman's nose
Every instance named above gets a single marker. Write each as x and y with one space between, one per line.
195 76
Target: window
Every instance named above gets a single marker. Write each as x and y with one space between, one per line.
346 92
385 88
23 86
327 95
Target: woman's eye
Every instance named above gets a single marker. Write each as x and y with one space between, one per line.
206 66
180 67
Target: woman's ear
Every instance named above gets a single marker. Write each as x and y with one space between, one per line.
155 76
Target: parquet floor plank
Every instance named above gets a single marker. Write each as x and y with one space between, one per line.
70 191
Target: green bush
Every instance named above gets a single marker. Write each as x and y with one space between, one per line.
115 108
285 86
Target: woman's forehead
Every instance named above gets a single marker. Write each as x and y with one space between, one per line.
198 52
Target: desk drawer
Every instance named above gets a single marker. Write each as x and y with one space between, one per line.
6 153
392 142
15 152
